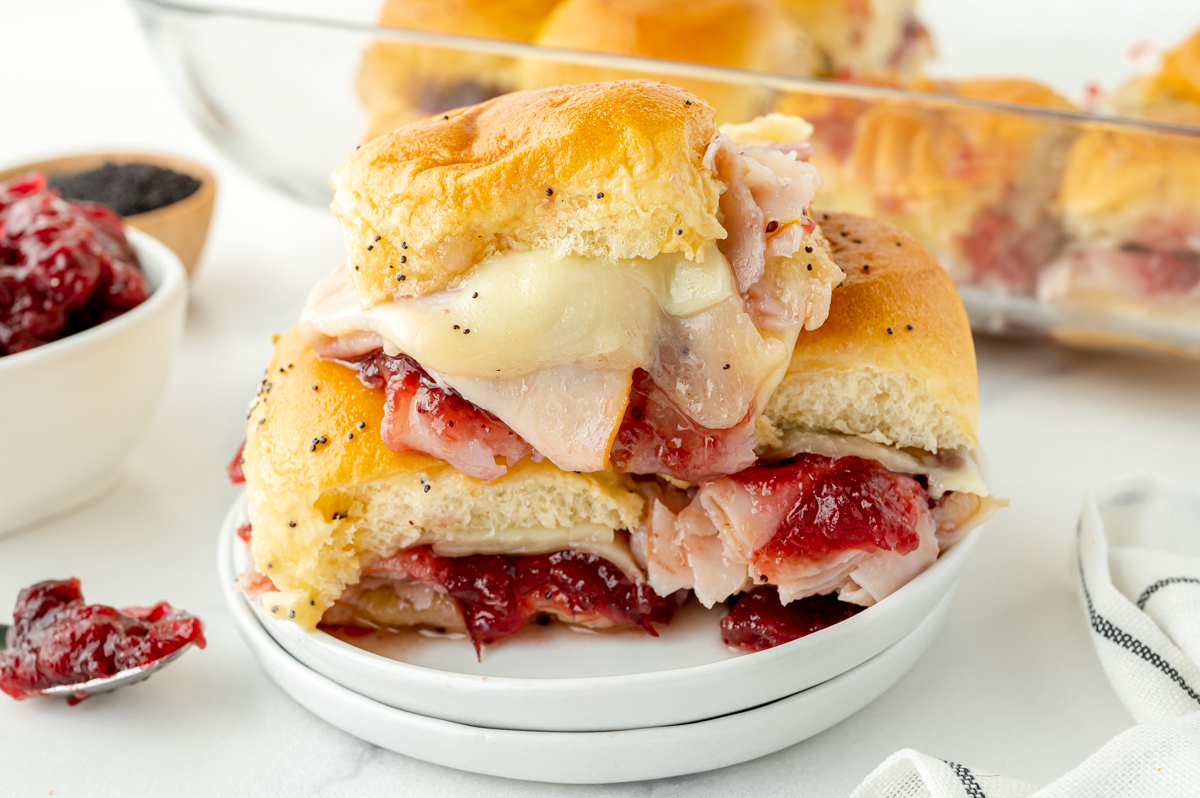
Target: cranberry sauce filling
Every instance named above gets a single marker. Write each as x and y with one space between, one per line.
64 266
57 639
847 503
657 437
757 620
498 593
424 416
234 469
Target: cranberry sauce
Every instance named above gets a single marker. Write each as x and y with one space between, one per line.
234 469
64 266
424 416
57 639
839 504
757 620
657 437
499 593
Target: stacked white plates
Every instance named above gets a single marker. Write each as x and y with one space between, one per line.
559 705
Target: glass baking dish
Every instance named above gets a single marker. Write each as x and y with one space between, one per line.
1053 223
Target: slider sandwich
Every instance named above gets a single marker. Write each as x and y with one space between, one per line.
972 183
1131 204
553 303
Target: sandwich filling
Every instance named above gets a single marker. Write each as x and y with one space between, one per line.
492 596
828 514
656 365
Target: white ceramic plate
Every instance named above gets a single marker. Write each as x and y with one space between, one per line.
557 679
589 757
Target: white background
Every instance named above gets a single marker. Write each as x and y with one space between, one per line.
1011 684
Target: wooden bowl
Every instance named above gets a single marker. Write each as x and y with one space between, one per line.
182 225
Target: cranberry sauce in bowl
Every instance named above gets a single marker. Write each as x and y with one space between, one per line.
91 393
64 266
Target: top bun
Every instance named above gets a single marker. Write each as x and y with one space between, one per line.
400 82
864 372
744 34
610 170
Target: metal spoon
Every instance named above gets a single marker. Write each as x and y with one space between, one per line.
105 684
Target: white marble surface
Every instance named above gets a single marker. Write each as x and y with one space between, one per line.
1010 685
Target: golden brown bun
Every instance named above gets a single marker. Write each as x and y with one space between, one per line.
746 34
322 503
1177 83
864 37
864 372
1135 187
524 171
401 82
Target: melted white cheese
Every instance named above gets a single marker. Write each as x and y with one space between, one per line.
950 469
527 311
590 538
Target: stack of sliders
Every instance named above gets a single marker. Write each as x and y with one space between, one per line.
588 353
1131 204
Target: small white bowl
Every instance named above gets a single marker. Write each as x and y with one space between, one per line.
553 679
71 410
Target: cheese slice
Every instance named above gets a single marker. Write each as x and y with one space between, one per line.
948 470
523 311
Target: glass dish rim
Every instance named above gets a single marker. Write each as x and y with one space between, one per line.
630 63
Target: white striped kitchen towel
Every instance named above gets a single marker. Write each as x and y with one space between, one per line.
1138 557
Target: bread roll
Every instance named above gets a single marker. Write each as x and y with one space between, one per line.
420 206
894 363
